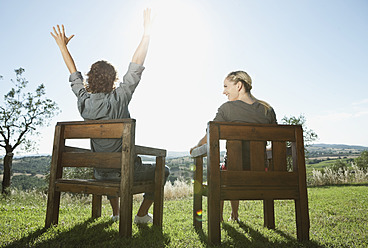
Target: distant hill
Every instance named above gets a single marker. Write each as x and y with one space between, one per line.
340 146
334 151
30 165
172 154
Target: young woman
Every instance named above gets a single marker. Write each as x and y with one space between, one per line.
98 100
241 107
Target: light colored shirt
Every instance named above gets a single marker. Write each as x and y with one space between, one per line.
106 106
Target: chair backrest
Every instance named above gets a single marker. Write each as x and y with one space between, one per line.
248 161
246 145
64 156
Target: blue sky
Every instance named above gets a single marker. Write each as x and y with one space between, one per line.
305 57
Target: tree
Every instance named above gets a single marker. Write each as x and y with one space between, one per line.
20 115
339 165
308 135
362 161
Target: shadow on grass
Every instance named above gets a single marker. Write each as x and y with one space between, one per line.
250 237
202 236
92 233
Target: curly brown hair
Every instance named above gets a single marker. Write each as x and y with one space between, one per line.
101 77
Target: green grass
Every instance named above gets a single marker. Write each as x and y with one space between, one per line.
338 215
324 164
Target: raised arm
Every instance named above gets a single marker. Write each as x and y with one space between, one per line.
141 52
62 41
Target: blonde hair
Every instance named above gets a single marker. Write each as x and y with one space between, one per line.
245 79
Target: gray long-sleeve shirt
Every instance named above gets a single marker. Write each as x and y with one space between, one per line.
106 106
239 111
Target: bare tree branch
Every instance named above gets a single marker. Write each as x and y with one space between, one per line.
23 112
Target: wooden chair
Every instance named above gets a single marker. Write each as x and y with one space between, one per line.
64 156
252 176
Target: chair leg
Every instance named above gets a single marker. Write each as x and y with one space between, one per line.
125 222
269 214
159 192
197 194
52 211
214 231
96 206
197 206
302 221
126 206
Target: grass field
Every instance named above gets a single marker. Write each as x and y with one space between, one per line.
338 215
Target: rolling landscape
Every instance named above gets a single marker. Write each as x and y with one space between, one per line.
29 171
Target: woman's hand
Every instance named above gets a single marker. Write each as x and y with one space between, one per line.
60 37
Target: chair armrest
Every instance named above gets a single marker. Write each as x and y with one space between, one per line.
143 150
199 151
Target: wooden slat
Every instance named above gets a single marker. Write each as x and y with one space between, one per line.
139 186
65 123
92 159
257 155
74 157
94 131
279 156
99 187
258 178
258 193
234 152
77 187
256 132
100 183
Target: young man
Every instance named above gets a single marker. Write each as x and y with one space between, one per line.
98 100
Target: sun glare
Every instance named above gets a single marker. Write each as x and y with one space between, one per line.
177 70
179 31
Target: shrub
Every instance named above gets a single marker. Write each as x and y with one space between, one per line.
362 161
339 165
354 174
